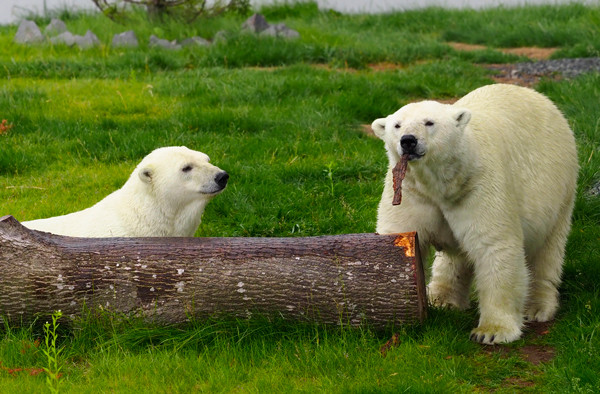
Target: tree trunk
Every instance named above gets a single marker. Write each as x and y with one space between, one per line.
342 279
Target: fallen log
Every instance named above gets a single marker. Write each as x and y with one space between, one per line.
342 279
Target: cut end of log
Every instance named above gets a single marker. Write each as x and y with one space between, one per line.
406 241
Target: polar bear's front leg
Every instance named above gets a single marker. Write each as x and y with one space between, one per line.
450 282
502 281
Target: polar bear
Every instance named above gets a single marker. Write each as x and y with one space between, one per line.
165 196
491 184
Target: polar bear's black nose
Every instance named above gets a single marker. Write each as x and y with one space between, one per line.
221 179
408 143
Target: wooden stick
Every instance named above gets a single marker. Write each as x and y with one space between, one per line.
398 173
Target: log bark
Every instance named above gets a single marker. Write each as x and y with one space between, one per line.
342 279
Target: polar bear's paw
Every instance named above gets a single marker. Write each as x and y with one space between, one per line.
543 304
445 296
541 313
495 334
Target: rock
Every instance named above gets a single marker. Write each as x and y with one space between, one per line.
280 30
195 41
125 39
87 41
64 38
220 37
55 27
162 43
28 33
595 190
83 42
256 23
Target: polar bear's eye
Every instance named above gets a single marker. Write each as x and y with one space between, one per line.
428 123
397 125
187 168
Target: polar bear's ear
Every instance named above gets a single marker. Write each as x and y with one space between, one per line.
378 127
462 116
146 174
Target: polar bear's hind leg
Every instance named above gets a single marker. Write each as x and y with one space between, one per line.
546 270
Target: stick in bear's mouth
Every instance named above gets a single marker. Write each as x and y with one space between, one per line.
398 173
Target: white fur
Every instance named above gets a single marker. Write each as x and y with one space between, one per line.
158 199
493 192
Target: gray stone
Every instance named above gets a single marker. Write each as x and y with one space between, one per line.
65 38
595 190
125 39
87 41
220 37
280 30
55 27
256 23
195 41
162 43
28 33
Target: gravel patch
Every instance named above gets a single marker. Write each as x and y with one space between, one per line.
530 72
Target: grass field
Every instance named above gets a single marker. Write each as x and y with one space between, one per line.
284 119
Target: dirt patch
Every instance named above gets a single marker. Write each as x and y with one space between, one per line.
366 128
461 46
386 66
537 354
516 382
537 329
534 53
500 350
534 354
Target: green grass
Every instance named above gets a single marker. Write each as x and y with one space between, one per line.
289 133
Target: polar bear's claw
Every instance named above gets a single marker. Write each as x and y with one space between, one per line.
494 335
481 339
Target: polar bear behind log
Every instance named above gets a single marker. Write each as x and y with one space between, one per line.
491 184
165 196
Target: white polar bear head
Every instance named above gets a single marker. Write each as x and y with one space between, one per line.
177 176
421 128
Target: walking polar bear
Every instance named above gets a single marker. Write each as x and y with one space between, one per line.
165 196
491 184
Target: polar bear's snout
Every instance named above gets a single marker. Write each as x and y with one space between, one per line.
221 179
216 184
409 144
